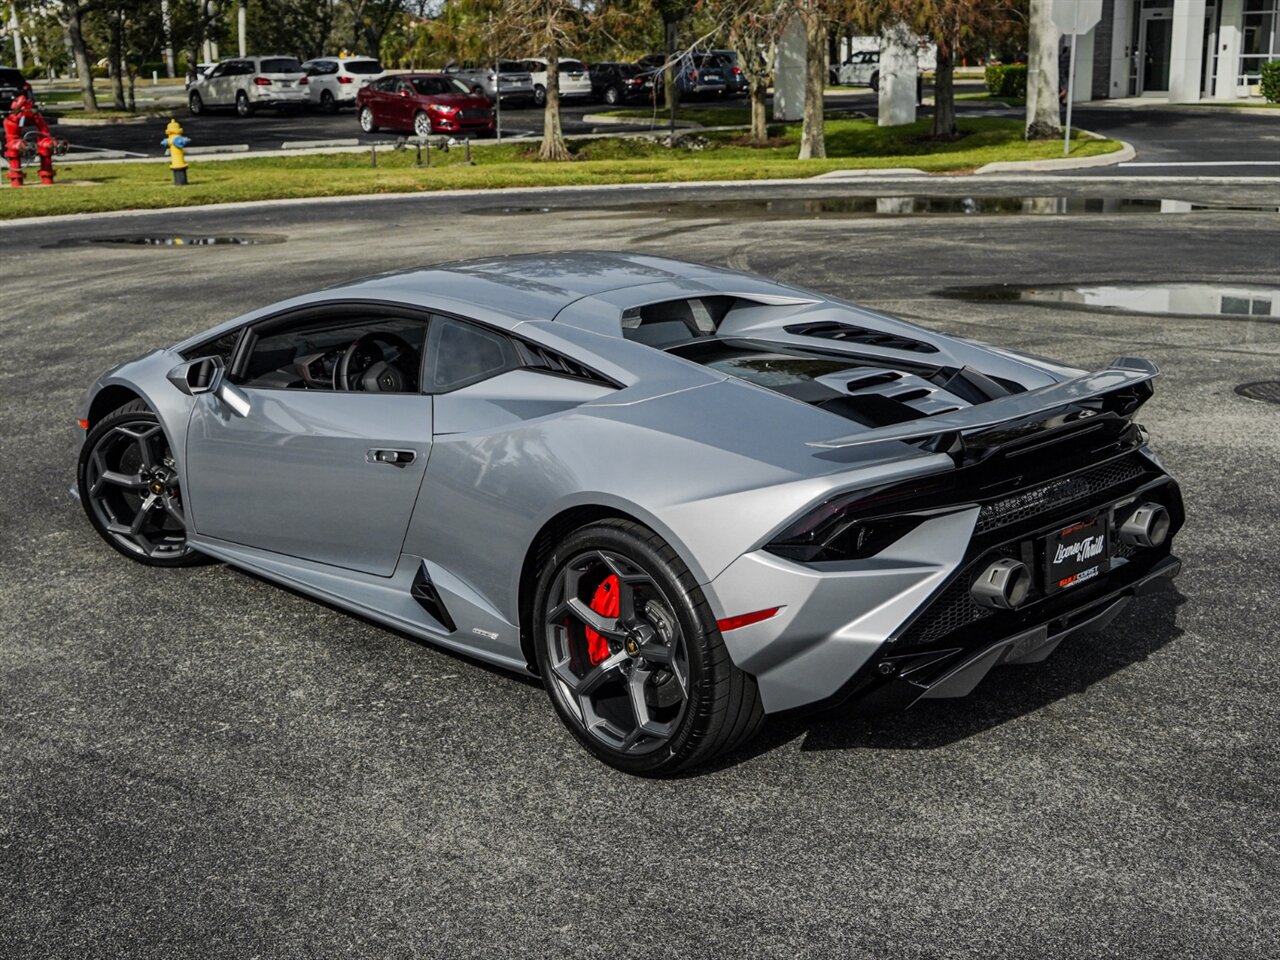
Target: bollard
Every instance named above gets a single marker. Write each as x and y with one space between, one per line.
177 144
373 154
155 78
468 142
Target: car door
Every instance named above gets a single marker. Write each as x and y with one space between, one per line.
303 469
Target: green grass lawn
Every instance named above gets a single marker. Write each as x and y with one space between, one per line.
851 144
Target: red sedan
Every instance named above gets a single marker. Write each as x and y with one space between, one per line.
425 103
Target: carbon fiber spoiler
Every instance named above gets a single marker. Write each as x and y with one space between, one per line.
1123 372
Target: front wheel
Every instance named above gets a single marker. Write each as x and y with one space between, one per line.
129 488
366 121
631 656
875 83
421 124
195 103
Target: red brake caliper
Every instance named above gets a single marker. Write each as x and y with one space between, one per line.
605 603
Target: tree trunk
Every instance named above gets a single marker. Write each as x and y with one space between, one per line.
1042 74
115 59
813 140
75 35
670 89
944 97
759 113
553 146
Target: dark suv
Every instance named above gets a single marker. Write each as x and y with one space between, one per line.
621 83
12 83
697 74
735 83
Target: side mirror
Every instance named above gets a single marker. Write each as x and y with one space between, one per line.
198 376
208 375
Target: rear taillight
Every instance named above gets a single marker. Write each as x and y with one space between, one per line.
304 81
693 74
737 71
634 80
840 530
262 81
342 79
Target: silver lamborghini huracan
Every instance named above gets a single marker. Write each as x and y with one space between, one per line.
686 497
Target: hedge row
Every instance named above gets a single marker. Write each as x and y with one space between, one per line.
1007 80
1271 80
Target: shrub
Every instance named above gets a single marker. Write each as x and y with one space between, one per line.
1271 80
1007 80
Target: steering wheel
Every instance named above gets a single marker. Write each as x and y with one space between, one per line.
364 364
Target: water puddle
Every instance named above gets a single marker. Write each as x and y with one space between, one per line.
1263 391
1236 301
147 240
908 206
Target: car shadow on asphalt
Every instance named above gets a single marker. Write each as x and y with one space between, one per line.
1007 693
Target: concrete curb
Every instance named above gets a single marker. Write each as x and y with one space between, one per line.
869 172
516 192
662 123
1125 153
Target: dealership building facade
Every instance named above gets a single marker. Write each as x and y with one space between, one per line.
1180 50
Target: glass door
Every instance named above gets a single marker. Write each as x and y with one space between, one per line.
1155 47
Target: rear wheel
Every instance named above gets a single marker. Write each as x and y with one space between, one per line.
875 83
129 489
539 96
243 107
195 103
366 120
631 656
327 103
611 96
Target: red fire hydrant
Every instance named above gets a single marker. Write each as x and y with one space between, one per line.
23 121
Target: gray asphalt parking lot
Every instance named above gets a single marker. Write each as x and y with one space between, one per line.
198 763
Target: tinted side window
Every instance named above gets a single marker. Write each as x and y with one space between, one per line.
223 346
462 353
308 354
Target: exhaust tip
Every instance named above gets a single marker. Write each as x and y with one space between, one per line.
1004 585
1147 526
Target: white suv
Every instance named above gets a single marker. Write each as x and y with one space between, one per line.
574 80
333 81
248 83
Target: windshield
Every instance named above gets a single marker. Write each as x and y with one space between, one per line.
363 66
438 86
280 65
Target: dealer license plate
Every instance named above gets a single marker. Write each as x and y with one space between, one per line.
1076 554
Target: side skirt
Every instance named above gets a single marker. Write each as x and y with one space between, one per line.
386 600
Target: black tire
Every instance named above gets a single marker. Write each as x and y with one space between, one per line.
875 82
717 706
421 124
195 103
243 107
327 103
612 96
365 116
539 96
146 493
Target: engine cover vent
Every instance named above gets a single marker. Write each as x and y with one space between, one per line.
848 333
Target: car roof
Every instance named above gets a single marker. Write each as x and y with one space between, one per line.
526 286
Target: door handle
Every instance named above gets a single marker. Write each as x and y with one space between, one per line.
396 458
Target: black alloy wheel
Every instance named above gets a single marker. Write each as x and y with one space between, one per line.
129 488
631 656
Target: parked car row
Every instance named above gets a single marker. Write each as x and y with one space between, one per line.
247 84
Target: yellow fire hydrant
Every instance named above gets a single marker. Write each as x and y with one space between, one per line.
177 143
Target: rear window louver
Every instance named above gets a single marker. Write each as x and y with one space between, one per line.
848 333
536 357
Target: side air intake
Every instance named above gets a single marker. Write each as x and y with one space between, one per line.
424 591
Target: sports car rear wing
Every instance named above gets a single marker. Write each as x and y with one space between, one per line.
1123 373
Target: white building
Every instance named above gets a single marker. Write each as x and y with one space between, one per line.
1179 50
